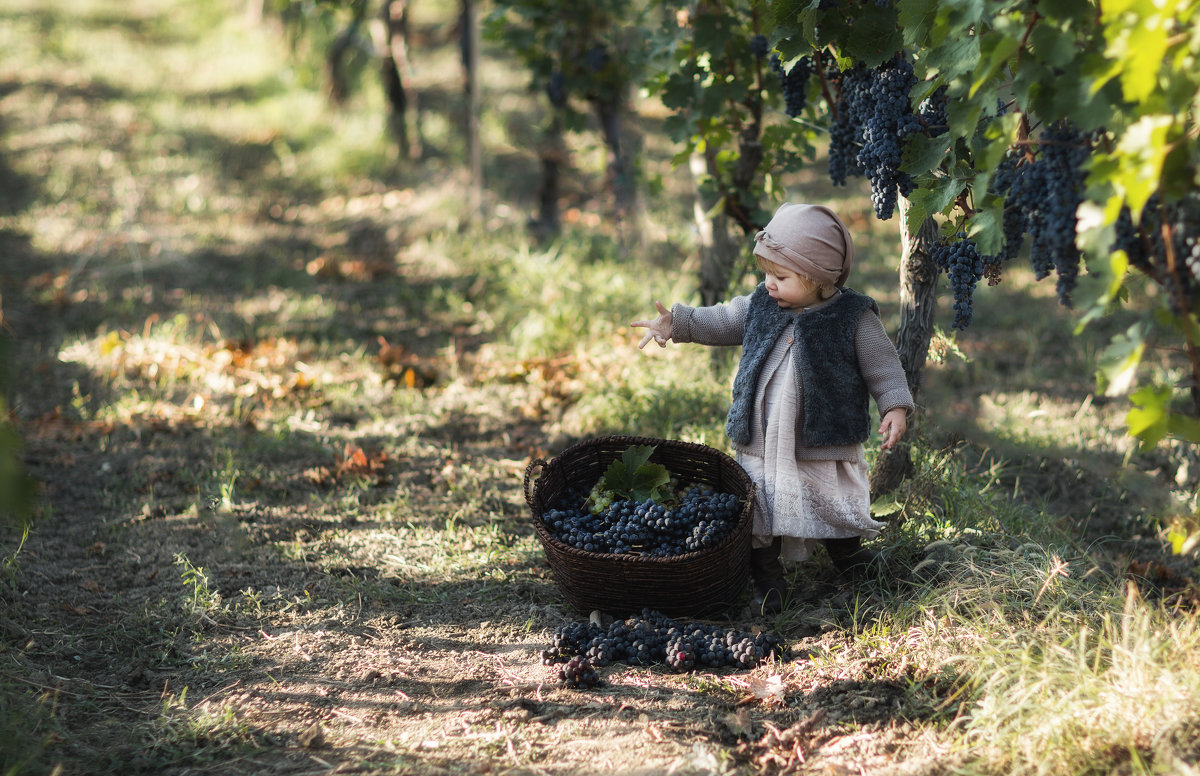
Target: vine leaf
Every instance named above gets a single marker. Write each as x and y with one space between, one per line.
936 198
1147 419
1138 50
922 154
1142 150
1120 361
987 230
631 477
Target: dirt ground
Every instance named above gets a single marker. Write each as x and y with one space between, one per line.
168 632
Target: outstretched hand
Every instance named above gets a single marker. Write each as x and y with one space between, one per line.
658 329
894 424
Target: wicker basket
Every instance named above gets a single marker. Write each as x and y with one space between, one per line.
698 583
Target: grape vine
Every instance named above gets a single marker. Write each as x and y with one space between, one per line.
1095 139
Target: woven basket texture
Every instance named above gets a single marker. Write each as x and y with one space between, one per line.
705 582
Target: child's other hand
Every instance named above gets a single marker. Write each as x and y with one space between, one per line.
894 424
658 329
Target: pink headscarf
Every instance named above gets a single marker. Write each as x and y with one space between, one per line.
810 240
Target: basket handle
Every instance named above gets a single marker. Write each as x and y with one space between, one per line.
536 463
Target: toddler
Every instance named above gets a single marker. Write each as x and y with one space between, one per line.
813 354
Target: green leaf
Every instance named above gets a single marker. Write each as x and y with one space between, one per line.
1053 46
650 481
1183 427
986 228
996 49
1148 419
938 197
631 477
1139 154
922 154
955 57
677 91
1137 35
885 507
916 17
1119 363
964 115
871 37
1066 9
916 215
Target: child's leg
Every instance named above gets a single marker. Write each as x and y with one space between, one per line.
849 556
767 573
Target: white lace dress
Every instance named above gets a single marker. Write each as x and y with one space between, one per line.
805 494
802 500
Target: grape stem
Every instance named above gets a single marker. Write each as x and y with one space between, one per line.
829 100
1033 20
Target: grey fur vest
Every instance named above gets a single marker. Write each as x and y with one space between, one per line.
836 400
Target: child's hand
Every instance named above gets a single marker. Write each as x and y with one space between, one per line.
894 424
658 329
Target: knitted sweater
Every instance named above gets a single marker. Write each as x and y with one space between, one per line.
878 365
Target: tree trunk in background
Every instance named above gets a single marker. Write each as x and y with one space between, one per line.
718 251
335 71
397 79
918 303
470 48
552 155
620 166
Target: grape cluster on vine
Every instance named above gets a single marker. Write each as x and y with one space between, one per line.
759 46
793 82
963 265
1165 244
1042 189
652 638
1004 179
702 518
1042 184
873 115
933 113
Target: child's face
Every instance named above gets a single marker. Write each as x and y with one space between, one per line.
790 290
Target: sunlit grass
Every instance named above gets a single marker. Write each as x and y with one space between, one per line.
1042 662
1117 689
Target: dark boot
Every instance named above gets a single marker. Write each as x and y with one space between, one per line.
849 556
767 573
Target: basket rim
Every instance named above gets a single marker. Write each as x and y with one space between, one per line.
745 514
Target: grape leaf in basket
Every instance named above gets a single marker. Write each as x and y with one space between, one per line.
631 477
